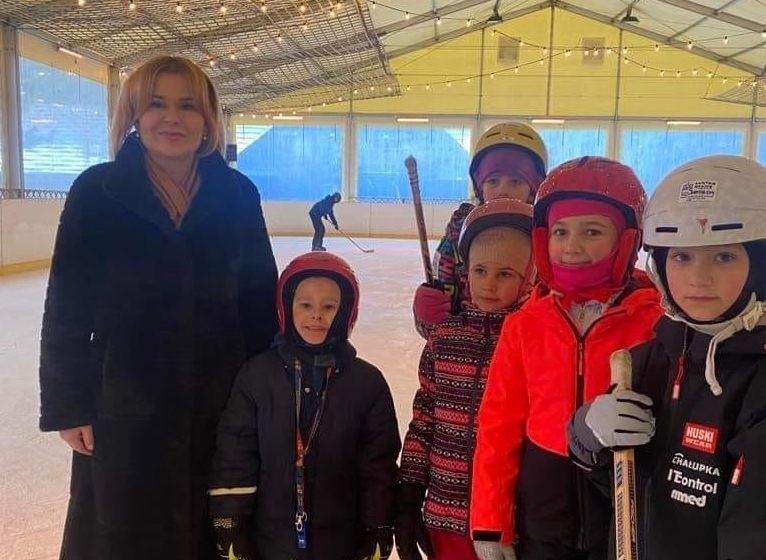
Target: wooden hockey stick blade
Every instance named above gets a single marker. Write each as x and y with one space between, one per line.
625 520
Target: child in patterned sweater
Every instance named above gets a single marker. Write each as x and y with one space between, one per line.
434 489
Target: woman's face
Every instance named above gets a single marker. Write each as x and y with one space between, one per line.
172 126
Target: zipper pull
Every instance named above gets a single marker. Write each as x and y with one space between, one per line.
736 476
678 378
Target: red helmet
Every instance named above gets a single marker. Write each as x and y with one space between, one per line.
498 212
595 178
318 264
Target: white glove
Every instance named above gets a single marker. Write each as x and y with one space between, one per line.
621 419
490 550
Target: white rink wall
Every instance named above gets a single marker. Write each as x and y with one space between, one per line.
364 219
27 230
28 227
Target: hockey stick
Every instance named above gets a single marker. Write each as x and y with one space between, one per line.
347 236
412 172
625 520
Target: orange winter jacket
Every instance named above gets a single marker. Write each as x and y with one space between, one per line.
541 372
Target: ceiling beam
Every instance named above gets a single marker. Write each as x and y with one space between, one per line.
686 29
348 46
717 14
507 16
658 38
747 50
58 41
422 18
244 26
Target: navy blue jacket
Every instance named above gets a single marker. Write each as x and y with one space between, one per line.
323 209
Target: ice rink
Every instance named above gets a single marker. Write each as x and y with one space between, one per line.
34 467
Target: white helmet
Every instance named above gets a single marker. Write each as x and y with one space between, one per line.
714 200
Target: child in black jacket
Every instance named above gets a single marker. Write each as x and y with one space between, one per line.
702 468
307 446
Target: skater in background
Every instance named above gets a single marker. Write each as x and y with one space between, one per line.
553 355
435 473
509 161
702 475
323 210
162 285
308 419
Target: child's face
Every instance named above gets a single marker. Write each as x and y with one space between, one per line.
706 281
581 240
496 268
505 186
315 305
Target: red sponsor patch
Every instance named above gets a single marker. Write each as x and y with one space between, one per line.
700 437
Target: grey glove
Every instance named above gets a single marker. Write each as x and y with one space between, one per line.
621 419
491 550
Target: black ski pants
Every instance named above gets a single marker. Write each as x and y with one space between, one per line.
319 231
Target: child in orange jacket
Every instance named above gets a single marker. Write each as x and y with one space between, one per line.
552 356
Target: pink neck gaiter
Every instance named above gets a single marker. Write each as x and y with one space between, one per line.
591 276
584 277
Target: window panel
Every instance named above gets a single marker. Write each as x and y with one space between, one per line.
64 125
762 148
291 162
652 153
442 153
565 143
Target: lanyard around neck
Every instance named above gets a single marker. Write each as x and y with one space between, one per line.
302 450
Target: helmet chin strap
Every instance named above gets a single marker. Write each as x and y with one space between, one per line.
753 315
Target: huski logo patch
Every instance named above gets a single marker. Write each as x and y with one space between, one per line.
700 437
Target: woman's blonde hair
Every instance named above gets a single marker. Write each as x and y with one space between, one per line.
136 95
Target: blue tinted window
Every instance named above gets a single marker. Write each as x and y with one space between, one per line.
291 162
652 153
762 148
63 126
564 144
442 154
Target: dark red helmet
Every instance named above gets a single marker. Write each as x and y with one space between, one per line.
595 178
318 264
498 212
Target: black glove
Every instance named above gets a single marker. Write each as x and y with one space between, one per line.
231 534
410 529
373 538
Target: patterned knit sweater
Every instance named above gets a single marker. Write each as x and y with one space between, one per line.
438 449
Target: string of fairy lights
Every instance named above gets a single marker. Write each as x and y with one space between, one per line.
541 54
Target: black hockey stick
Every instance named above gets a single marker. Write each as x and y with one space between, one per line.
347 236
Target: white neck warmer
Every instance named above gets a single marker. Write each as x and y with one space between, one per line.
750 317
